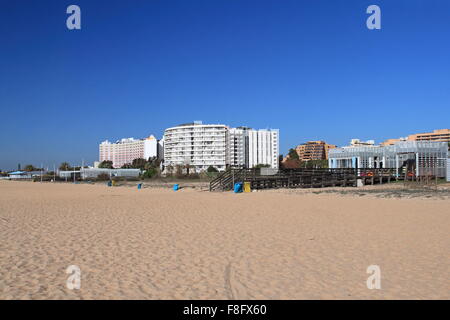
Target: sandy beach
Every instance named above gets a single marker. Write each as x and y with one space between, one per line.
155 243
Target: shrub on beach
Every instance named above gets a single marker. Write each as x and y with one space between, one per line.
179 172
150 173
103 177
212 169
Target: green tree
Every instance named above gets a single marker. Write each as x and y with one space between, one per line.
126 166
212 169
293 155
30 167
65 166
107 164
149 173
153 162
314 164
139 163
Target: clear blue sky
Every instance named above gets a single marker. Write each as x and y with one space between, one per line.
310 68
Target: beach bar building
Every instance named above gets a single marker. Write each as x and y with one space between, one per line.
17 175
86 173
419 157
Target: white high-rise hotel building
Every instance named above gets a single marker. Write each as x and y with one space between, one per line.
204 145
200 146
248 147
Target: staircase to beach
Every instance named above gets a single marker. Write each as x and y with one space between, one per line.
225 180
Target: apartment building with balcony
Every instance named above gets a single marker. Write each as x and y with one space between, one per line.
126 150
203 145
196 144
440 135
314 150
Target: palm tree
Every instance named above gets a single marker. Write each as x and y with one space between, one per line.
65 166
29 167
139 163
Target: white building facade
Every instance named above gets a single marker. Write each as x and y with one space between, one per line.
124 151
249 147
238 147
263 147
197 145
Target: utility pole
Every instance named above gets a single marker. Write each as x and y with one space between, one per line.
42 170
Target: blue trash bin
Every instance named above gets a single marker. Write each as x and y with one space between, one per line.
139 186
238 187
109 183
176 187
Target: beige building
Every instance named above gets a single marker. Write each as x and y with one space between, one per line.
390 142
441 135
314 150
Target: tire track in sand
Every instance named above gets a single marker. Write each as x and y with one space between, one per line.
234 288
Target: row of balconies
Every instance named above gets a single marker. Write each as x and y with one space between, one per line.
220 159
218 128
172 141
197 146
197 156
210 163
195 159
197 149
196 134
195 143
202 156
217 154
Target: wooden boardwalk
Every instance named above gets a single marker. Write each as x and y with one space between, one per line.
300 178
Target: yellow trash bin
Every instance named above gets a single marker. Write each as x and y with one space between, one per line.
247 187
114 183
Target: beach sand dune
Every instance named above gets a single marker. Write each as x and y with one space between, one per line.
190 244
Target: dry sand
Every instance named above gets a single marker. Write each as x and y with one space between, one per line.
190 244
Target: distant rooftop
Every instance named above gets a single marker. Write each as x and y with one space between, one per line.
197 122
